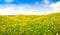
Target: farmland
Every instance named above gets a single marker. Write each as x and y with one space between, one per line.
30 24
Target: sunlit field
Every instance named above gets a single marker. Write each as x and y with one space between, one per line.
30 24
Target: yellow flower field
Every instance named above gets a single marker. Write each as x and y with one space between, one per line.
30 24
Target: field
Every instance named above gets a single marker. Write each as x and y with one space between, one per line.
30 24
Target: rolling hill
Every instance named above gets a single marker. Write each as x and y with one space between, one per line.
30 24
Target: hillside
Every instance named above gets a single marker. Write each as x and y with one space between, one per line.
30 24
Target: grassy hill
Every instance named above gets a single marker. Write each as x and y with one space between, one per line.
30 24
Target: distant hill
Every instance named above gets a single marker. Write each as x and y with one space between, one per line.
30 24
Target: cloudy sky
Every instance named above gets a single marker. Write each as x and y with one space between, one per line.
26 7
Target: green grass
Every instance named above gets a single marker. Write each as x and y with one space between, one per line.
30 24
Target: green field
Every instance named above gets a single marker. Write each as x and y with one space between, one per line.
30 24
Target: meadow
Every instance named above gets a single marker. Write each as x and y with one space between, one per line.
30 24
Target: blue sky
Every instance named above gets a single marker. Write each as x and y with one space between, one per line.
26 7
25 1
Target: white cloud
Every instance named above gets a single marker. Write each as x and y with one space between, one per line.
37 3
10 9
9 0
14 10
46 1
22 9
55 6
